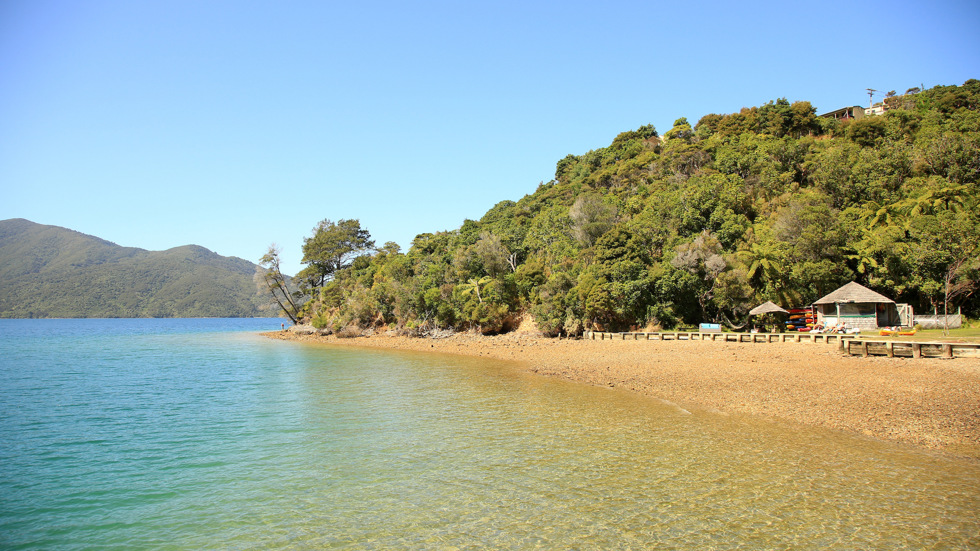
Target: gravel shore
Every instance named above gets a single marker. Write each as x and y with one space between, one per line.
930 403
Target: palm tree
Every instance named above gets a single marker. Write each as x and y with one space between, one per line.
945 195
763 260
766 270
878 214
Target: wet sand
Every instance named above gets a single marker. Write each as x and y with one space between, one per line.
930 403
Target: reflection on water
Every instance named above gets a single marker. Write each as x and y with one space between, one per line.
247 443
464 453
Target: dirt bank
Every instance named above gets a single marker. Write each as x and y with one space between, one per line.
930 403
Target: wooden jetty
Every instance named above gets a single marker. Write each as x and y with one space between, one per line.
854 345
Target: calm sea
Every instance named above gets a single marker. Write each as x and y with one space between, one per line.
201 434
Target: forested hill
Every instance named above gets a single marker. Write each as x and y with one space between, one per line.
53 272
702 223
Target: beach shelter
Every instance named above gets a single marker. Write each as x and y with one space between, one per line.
856 306
768 307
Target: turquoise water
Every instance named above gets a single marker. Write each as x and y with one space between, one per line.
201 434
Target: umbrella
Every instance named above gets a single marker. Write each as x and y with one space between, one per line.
767 308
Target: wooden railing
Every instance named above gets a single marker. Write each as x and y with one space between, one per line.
911 349
853 345
721 337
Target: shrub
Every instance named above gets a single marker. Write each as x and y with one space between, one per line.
349 332
320 320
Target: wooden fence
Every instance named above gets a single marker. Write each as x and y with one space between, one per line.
721 337
911 349
847 344
955 321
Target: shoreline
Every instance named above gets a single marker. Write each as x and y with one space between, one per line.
932 404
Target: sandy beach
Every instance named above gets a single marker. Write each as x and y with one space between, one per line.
929 403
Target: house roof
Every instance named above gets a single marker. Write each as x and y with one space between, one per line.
854 292
849 111
767 308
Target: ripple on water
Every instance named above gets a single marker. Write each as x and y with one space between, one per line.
192 439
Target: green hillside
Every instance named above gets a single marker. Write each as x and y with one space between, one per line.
52 272
702 223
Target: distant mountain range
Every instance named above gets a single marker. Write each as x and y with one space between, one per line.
53 272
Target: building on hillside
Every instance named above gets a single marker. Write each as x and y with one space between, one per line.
856 306
878 109
846 113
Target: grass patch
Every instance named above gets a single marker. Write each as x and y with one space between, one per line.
965 334
970 332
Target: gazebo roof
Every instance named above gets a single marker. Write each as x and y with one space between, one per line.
854 292
768 307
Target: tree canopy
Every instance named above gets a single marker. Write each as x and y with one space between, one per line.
700 224
332 247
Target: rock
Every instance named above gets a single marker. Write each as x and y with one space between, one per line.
302 329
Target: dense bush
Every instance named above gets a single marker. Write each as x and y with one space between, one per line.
703 223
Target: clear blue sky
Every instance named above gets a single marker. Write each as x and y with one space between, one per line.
235 124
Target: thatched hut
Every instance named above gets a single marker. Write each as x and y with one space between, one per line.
768 311
768 307
856 306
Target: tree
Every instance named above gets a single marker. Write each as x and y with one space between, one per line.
493 255
937 194
882 215
472 286
591 217
867 132
269 278
331 248
770 202
960 280
681 130
764 263
943 255
702 258
803 119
